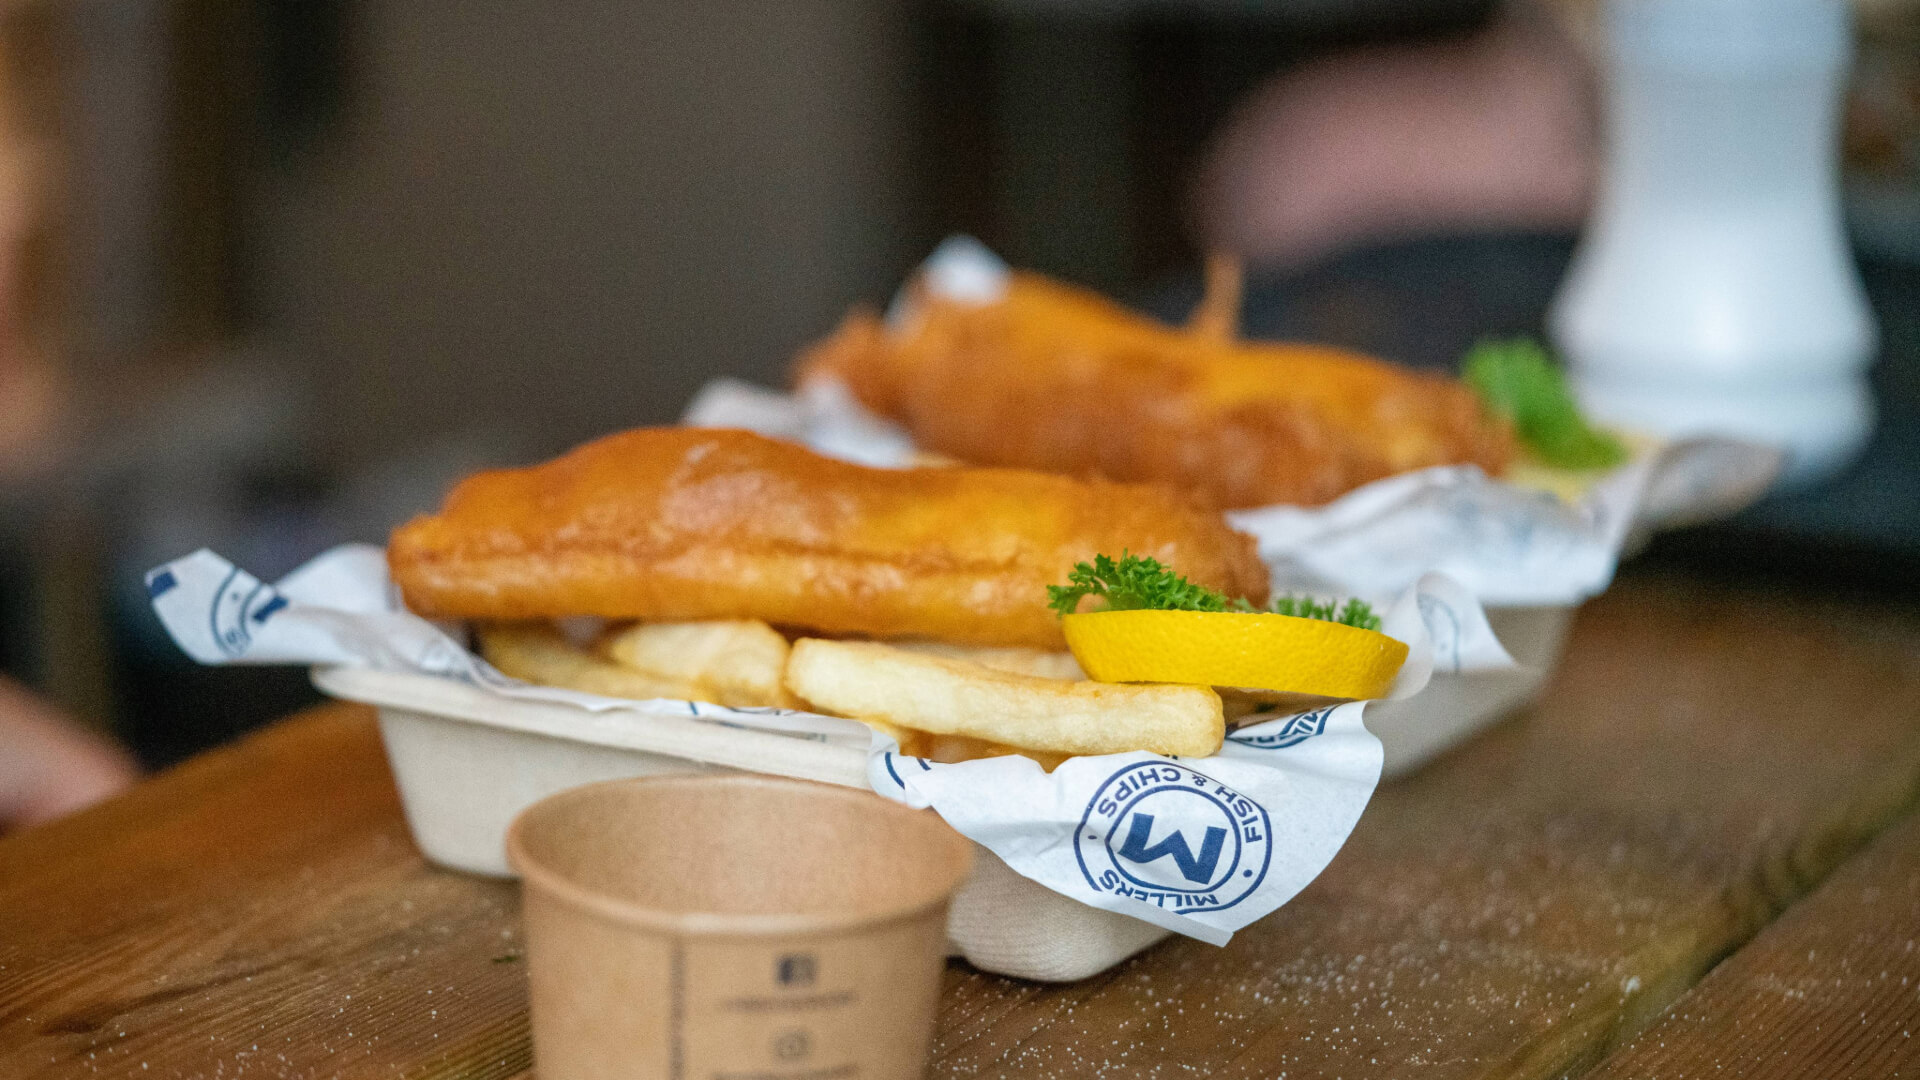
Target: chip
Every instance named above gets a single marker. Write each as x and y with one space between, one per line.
944 697
538 653
1044 663
733 662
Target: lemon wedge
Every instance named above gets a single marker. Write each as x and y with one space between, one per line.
1253 651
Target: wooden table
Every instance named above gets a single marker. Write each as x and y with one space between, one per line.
1715 778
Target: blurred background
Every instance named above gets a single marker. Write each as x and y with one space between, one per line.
276 271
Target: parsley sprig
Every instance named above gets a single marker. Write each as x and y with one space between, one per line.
1355 612
1134 583
1137 582
1516 379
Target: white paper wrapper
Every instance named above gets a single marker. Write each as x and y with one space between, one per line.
1510 546
340 608
1199 846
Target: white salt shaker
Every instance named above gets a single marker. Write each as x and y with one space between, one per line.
1714 291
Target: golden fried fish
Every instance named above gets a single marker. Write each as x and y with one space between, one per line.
688 523
1057 378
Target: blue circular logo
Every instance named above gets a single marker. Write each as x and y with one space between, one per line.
1160 832
1280 734
241 605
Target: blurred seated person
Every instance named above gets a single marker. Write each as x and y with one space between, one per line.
50 766
1492 132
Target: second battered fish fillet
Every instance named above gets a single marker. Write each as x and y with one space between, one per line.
687 523
1057 378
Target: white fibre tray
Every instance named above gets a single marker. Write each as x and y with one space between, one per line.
467 762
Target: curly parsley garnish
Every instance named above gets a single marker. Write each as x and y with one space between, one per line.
1138 583
1354 612
1134 583
1516 379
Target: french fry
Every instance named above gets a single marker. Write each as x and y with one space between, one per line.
538 653
870 681
734 662
1044 663
948 749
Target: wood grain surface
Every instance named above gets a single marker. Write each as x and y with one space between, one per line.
259 911
1831 990
1520 908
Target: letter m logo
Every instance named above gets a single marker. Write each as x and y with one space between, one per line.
1197 870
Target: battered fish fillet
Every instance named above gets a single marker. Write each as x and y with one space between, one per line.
1057 378
687 523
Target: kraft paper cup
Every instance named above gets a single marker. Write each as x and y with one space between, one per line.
733 926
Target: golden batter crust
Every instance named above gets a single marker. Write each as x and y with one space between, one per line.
688 523
1057 378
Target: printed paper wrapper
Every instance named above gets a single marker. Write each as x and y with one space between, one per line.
1201 846
1509 545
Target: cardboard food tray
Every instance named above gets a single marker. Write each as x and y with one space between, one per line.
467 762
